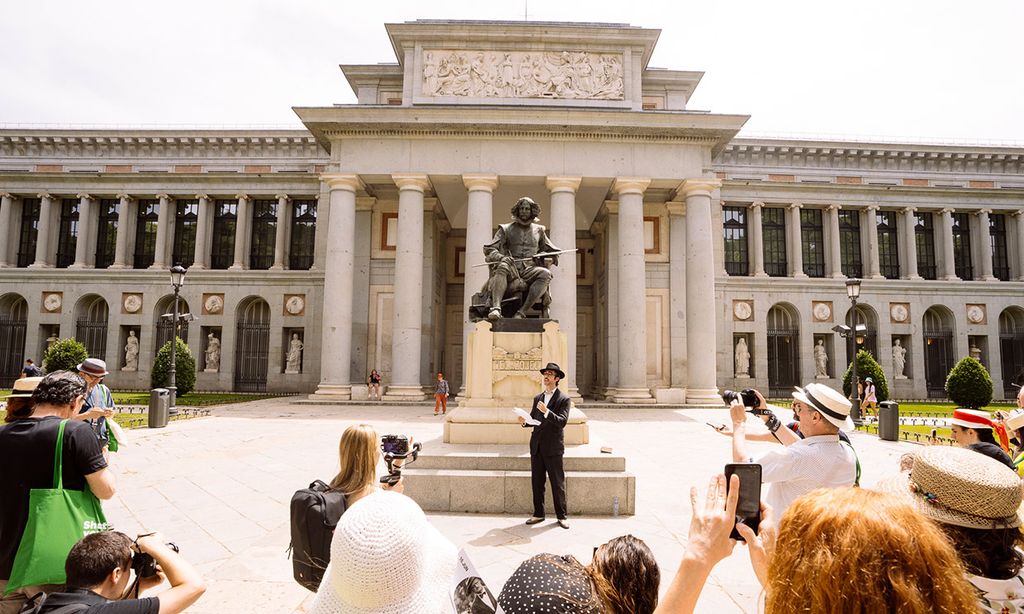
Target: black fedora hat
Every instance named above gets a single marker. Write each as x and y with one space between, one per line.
553 367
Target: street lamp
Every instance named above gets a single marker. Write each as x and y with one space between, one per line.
177 280
852 291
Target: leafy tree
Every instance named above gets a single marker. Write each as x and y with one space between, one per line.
64 355
867 366
184 368
969 384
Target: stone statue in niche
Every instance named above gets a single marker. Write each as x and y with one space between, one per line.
517 259
742 355
975 353
131 352
539 74
899 358
212 354
293 361
820 359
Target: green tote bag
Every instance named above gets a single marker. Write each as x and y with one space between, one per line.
57 519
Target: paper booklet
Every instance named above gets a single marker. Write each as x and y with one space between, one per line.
526 415
470 594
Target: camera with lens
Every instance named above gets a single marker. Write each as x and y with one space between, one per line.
748 397
145 565
397 452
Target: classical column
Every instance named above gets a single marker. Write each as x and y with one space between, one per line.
796 252
701 341
909 240
757 239
677 300
835 252
242 222
335 368
164 232
479 221
632 386
43 241
8 228
611 244
201 256
406 322
124 220
83 242
948 260
563 281
874 271
985 245
280 245
1020 244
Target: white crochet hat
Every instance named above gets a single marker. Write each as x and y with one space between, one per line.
387 558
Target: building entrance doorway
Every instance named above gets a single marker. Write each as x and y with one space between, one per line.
783 359
938 350
1011 349
13 321
252 346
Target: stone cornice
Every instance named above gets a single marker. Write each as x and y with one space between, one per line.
842 157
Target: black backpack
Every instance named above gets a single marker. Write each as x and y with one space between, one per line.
314 514
36 603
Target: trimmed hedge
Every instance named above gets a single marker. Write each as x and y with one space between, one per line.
969 384
64 355
867 366
184 368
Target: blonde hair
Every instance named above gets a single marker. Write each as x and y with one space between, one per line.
357 454
851 550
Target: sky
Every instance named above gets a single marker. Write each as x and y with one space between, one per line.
939 71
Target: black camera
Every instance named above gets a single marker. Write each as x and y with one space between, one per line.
748 397
145 565
397 448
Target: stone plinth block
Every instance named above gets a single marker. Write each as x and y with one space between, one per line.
475 425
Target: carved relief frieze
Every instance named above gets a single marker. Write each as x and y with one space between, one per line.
523 364
567 74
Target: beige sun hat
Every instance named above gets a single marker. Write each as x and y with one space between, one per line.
387 558
960 487
832 405
1015 420
23 388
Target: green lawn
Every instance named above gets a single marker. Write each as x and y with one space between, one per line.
192 399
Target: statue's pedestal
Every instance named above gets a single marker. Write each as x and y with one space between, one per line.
483 465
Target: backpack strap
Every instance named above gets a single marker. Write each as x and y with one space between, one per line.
856 459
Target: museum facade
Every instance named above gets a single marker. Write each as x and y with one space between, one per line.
704 261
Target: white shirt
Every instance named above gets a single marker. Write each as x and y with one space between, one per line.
547 397
821 461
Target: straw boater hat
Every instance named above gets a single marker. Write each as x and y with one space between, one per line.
386 558
1015 420
972 419
832 405
23 388
960 487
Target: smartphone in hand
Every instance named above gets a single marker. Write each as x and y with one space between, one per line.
717 427
748 506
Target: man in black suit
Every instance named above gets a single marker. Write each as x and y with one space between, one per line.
547 445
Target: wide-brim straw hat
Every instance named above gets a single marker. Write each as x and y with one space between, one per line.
1015 420
972 418
387 558
832 405
960 487
23 388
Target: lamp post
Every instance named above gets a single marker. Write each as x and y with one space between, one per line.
177 280
853 291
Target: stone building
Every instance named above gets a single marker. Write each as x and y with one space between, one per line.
360 234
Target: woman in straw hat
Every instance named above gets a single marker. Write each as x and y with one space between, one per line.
386 558
845 550
975 501
18 404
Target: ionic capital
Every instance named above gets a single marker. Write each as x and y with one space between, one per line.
163 197
873 207
563 184
796 206
202 196
699 187
6 195
676 208
984 211
909 210
340 181
411 181
832 207
476 182
283 198
630 185
241 197
46 196
757 205
125 197
947 211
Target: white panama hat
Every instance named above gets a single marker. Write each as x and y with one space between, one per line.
832 405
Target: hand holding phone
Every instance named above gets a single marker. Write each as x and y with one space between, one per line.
748 507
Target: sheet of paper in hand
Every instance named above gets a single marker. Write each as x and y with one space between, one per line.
525 415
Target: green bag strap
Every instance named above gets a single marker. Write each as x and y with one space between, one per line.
58 458
856 458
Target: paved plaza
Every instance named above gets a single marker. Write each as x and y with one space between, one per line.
220 486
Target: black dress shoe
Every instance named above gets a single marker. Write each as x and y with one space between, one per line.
534 520
562 522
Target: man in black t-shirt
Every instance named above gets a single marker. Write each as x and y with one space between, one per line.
99 569
26 458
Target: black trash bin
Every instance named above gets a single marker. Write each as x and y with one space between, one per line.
159 405
889 420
